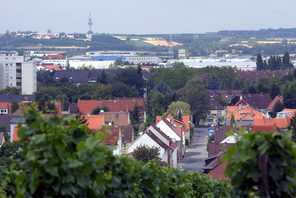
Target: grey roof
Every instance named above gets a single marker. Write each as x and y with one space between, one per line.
258 101
74 76
93 74
5 121
16 98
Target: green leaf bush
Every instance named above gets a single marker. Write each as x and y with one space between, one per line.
262 165
62 158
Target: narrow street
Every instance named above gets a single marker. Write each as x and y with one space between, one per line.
196 152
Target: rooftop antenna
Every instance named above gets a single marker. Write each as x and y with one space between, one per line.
171 47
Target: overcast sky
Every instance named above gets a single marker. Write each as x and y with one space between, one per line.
146 16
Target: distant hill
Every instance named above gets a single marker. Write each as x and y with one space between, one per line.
263 33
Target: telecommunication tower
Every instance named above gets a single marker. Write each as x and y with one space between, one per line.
171 47
90 23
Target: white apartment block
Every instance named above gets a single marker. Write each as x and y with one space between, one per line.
14 72
29 78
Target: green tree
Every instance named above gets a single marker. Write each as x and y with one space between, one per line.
9 154
145 154
14 106
262 165
131 78
198 99
10 91
102 78
278 106
213 82
178 65
177 107
157 104
259 62
286 61
135 115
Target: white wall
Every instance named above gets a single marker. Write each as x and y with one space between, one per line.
168 131
96 64
29 78
145 140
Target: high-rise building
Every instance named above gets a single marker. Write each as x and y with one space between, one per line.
29 78
15 72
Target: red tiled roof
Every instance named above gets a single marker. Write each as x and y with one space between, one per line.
257 74
94 121
127 133
218 171
52 67
6 105
15 134
220 133
277 98
243 112
158 118
117 118
186 121
123 104
54 57
112 135
87 106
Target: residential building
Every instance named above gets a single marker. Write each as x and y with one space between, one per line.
56 60
15 72
175 133
216 114
114 105
154 137
29 78
73 76
116 118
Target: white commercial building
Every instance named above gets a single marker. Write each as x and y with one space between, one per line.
112 53
78 62
143 59
15 72
56 60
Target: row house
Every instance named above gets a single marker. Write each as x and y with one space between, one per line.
155 137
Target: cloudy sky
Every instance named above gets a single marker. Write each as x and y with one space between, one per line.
146 16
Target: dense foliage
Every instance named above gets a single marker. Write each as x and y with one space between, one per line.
64 159
262 164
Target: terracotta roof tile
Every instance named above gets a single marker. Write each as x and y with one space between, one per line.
87 106
15 134
123 104
117 118
277 98
94 121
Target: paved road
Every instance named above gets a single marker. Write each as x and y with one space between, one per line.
196 152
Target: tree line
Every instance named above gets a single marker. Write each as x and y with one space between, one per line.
274 62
